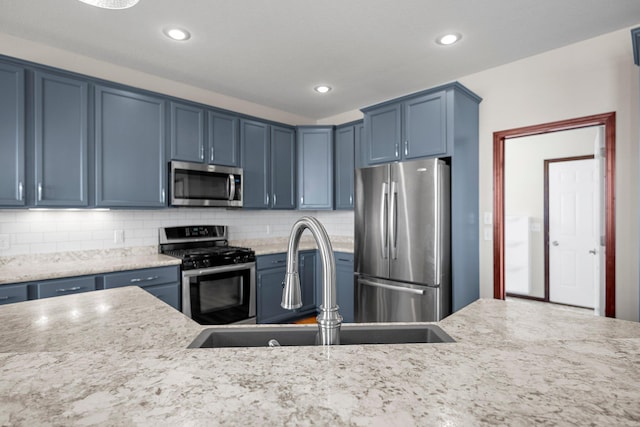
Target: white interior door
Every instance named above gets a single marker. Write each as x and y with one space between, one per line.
572 232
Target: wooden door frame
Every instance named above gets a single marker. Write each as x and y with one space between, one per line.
608 120
547 162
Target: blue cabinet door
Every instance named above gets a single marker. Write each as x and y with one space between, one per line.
344 166
187 132
12 137
425 123
360 157
254 140
130 149
269 289
383 127
223 141
315 167
344 284
61 141
283 168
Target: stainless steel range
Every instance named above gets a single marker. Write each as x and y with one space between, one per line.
218 280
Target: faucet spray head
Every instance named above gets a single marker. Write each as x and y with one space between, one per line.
291 294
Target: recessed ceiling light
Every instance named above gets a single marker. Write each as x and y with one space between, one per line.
448 39
322 88
111 4
177 34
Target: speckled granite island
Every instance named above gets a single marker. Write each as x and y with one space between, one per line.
119 357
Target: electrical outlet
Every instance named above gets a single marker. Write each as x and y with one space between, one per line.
488 233
5 242
118 237
488 218
268 229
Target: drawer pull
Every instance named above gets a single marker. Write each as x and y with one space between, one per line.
4 298
75 288
280 261
143 279
344 259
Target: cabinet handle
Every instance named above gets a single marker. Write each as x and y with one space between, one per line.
75 288
39 191
302 200
397 149
267 198
20 191
212 152
344 259
4 298
275 199
406 148
280 261
143 279
351 199
202 152
163 196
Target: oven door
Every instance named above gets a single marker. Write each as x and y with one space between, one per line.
220 295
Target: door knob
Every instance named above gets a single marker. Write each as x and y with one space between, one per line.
555 243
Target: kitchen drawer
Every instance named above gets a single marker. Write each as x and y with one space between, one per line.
344 258
59 287
13 293
143 278
271 261
169 293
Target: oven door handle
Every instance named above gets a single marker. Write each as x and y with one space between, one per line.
218 269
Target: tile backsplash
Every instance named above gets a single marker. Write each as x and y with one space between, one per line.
38 231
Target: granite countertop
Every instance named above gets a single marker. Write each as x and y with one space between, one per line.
514 363
29 268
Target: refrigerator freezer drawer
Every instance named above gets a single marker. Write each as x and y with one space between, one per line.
380 300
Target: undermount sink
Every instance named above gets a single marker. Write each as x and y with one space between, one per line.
300 335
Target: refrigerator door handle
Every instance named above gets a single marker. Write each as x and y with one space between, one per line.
393 215
384 202
391 287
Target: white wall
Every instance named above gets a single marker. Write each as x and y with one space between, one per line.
37 231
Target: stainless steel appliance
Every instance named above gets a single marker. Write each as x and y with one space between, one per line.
198 184
402 242
218 281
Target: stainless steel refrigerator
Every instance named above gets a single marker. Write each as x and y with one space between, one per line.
402 242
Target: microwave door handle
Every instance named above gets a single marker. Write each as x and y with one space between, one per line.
232 187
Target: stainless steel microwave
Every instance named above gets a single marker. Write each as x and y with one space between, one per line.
198 184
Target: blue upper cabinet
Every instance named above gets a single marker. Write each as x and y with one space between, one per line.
344 166
315 167
254 140
223 143
384 134
425 123
408 128
360 156
283 168
61 141
130 149
12 136
220 146
187 132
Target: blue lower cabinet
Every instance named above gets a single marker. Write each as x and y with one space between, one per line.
68 286
344 283
13 293
162 282
169 293
270 271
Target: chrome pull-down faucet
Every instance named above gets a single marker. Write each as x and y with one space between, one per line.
329 320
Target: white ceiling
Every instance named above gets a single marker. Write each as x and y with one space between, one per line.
273 52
